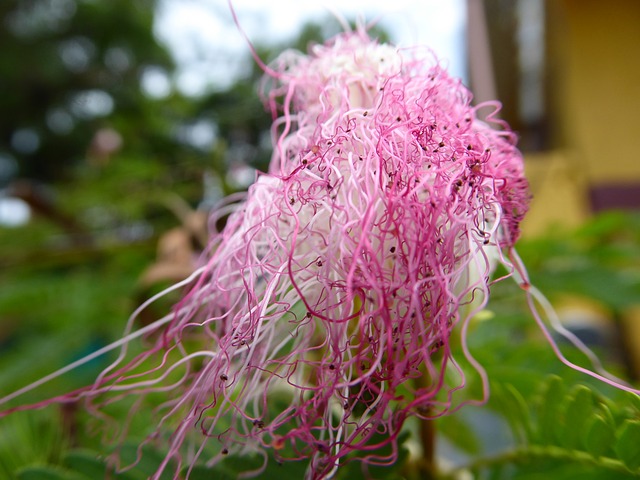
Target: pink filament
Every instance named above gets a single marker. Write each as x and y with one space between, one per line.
322 315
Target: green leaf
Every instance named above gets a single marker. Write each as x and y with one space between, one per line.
235 466
29 439
549 410
146 465
579 408
608 415
627 445
521 411
46 472
515 410
458 431
201 472
599 436
354 471
635 401
85 461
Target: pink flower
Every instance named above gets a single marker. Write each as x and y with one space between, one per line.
322 314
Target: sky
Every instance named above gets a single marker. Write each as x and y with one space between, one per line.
208 46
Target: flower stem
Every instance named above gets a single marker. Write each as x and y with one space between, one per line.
428 440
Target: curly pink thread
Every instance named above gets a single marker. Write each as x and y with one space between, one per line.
322 314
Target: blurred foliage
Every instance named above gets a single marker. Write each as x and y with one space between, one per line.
69 68
70 276
543 419
600 261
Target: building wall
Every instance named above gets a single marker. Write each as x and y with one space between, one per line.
592 84
598 81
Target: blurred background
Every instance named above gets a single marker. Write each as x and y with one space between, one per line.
122 122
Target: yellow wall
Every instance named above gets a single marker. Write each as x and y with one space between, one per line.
593 87
600 87
560 198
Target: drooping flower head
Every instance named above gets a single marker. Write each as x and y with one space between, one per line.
321 317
